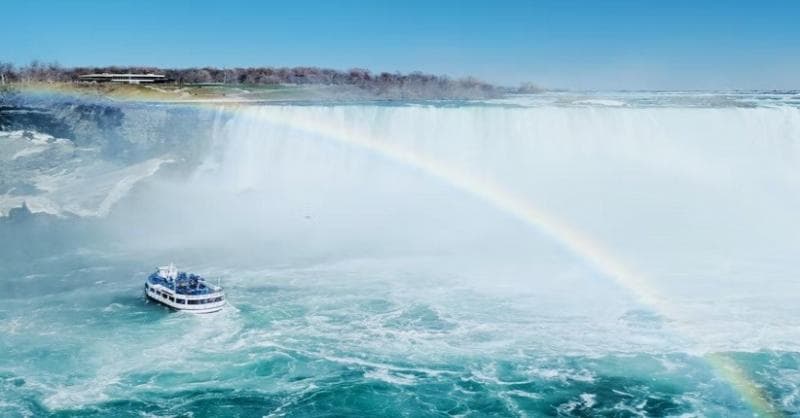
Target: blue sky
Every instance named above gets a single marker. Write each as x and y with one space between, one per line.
565 44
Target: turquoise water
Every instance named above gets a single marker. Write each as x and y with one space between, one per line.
317 341
363 284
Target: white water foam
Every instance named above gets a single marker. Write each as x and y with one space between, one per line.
89 191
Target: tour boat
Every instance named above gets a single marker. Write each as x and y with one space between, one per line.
183 292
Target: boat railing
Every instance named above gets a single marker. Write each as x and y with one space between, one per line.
178 298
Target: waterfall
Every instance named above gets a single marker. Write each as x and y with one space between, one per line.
644 179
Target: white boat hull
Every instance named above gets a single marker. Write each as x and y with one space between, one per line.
165 297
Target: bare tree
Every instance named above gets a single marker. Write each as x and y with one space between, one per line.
7 73
383 85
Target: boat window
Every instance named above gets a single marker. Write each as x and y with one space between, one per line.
192 302
180 300
171 299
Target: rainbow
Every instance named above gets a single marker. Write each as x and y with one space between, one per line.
580 244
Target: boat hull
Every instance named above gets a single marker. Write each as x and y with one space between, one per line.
198 309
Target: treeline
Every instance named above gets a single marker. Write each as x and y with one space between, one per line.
415 84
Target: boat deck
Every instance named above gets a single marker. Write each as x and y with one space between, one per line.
190 285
